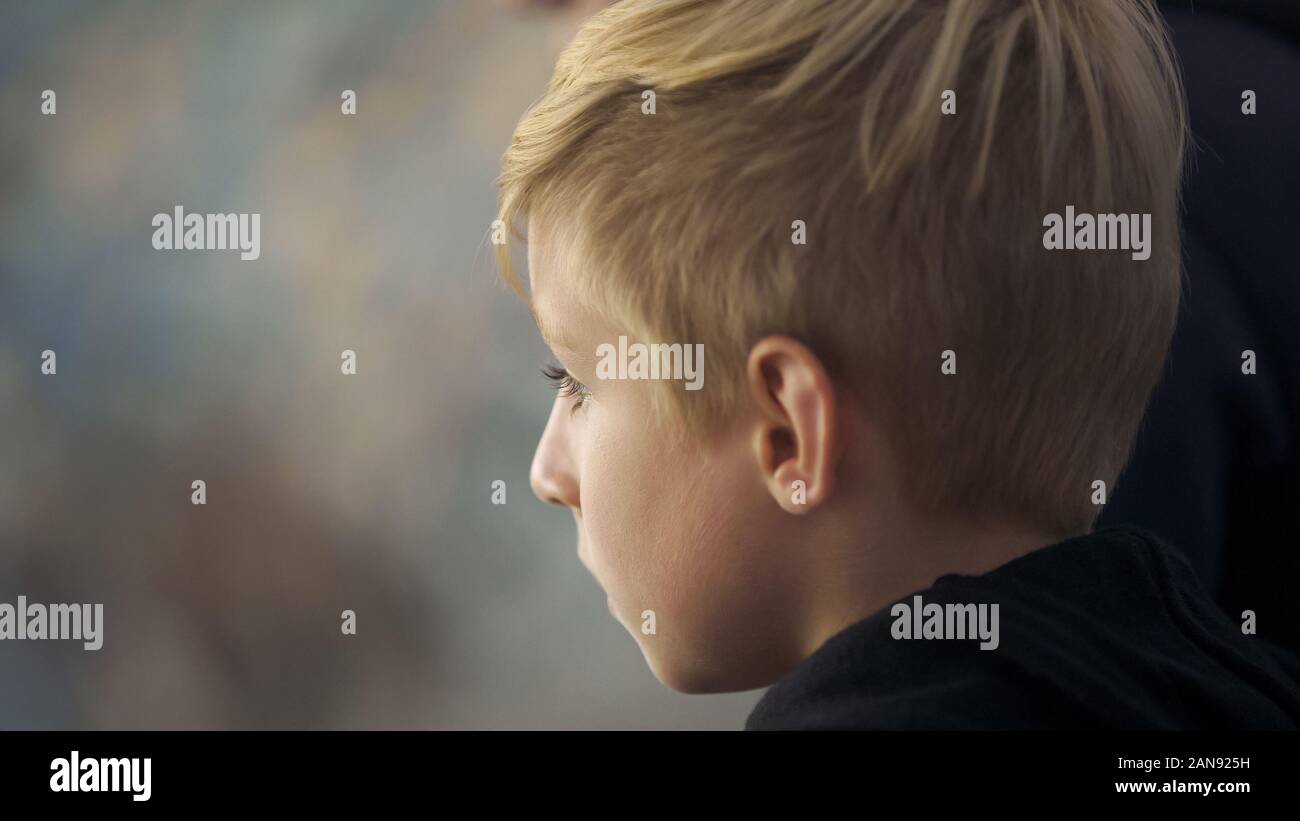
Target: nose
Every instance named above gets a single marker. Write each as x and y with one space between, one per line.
553 475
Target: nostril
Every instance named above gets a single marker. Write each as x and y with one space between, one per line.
544 488
553 474
553 487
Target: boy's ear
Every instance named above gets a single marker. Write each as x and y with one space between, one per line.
796 441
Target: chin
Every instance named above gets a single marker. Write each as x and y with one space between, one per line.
692 680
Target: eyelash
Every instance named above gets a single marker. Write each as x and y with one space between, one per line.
566 385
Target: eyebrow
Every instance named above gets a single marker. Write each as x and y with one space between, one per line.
552 337
548 334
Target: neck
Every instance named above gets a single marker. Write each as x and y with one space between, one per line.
869 568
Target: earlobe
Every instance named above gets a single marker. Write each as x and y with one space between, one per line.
796 439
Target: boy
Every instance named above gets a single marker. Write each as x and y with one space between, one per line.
928 250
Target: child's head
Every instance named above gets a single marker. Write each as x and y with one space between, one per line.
889 344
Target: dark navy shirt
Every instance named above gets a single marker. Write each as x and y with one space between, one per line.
1112 630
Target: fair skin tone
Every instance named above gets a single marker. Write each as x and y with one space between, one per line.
705 531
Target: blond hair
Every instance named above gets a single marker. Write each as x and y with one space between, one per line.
924 231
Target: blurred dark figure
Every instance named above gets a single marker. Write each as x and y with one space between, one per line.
1216 468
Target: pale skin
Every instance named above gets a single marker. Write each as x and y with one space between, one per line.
744 581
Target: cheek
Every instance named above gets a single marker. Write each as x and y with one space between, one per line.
663 519
624 466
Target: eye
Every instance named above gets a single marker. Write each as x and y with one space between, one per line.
566 385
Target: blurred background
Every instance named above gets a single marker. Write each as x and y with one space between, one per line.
324 492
